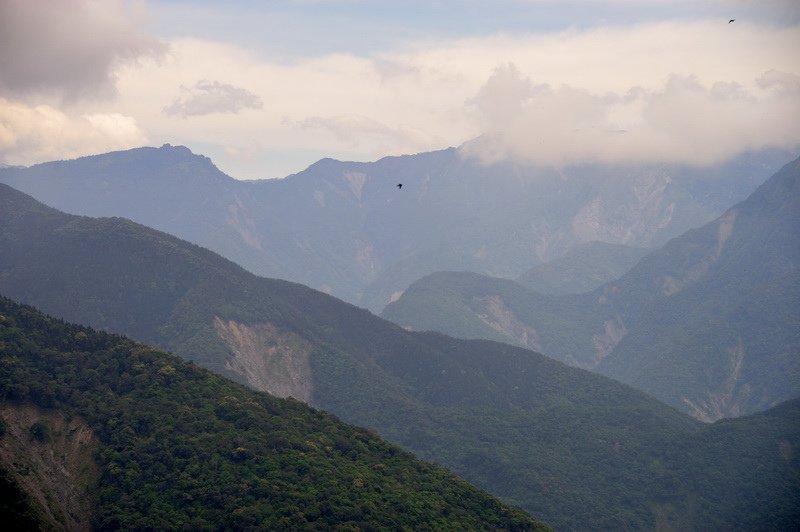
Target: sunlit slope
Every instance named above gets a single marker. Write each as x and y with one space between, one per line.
177 447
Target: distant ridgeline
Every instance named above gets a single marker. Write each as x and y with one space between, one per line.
346 229
575 449
145 441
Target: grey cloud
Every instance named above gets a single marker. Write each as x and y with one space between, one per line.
391 68
728 90
782 82
68 48
208 97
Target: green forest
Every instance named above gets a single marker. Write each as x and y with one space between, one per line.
182 448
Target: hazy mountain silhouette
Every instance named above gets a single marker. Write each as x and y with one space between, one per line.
707 323
582 269
345 229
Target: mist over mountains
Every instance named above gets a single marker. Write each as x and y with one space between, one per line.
582 269
704 320
345 228
707 323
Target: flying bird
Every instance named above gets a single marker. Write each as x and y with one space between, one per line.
399 185
731 20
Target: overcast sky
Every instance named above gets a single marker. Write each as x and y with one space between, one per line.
267 88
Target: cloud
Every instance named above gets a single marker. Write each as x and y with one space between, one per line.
605 94
208 97
781 82
357 130
69 48
683 121
30 134
674 90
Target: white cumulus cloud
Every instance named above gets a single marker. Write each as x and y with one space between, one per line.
684 120
681 90
30 134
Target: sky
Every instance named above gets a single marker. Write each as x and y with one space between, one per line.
267 88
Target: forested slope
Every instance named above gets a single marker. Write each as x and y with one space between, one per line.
180 447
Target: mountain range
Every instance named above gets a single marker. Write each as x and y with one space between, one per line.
708 323
101 432
575 449
346 229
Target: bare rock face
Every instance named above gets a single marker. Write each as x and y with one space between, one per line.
270 360
604 343
672 285
502 319
730 395
52 459
635 219
240 221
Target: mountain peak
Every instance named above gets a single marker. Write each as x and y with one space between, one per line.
145 163
179 148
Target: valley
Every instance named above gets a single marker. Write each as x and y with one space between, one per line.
550 435
400 266
706 323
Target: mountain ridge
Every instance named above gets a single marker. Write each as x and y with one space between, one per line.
175 446
706 293
344 228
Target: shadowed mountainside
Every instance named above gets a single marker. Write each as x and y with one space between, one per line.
709 323
582 269
577 450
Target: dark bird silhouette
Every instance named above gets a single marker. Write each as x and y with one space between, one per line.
731 20
399 185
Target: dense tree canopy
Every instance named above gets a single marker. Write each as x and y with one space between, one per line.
184 448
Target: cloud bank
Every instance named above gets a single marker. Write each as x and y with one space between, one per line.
684 121
686 92
677 90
